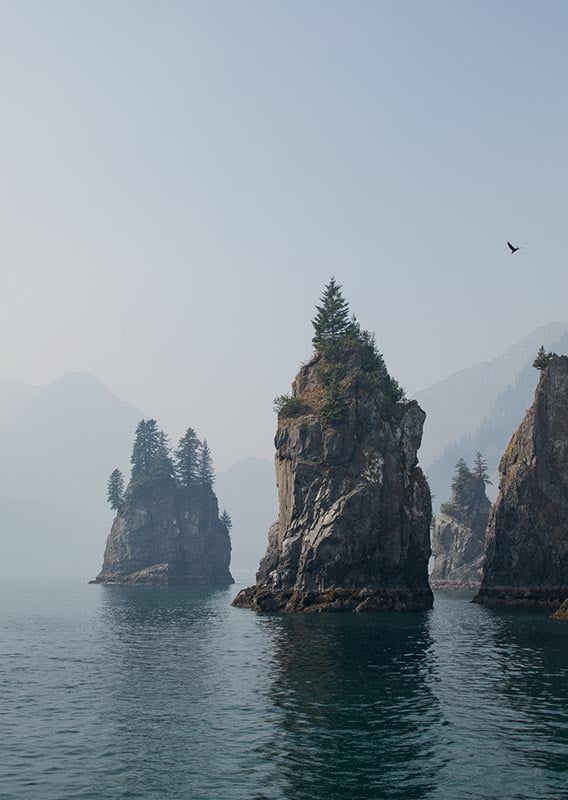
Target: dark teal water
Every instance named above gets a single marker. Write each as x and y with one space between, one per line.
116 692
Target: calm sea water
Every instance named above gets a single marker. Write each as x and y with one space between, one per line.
131 692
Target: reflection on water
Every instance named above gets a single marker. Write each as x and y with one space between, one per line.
360 717
134 692
492 673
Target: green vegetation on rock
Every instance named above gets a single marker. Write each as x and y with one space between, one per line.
543 358
190 467
289 406
115 490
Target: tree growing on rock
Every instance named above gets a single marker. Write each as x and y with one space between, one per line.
206 472
480 468
226 520
331 322
164 465
115 490
187 459
542 359
146 450
334 407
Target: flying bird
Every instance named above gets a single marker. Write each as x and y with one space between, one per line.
512 249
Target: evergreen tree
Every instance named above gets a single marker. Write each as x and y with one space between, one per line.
146 450
164 464
205 471
462 476
115 490
187 458
334 407
480 468
542 359
331 323
226 520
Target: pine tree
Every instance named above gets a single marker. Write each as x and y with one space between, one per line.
146 448
480 468
164 464
331 323
542 359
334 407
115 490
187 458
462 476
205 471
226 520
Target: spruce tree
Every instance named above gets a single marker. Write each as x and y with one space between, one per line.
115 490
462 476
331 323
187 458
334 407
164 464
226 520
206 473
146 448
480 468
542 359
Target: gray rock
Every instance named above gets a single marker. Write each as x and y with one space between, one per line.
354 506
562 612
458 543
527 535
167 535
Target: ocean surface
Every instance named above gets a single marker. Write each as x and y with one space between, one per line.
131 692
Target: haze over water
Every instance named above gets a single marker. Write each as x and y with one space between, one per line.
132 692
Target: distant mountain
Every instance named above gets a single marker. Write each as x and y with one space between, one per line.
13 397
58 445
458 405
248 491
493 434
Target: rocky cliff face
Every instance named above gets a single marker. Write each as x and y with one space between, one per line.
354 506
458 543
165 534
527 535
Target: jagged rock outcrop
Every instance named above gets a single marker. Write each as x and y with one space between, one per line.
458 541
354 506
562 612
167 534
527 536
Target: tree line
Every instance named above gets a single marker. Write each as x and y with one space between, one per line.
190 464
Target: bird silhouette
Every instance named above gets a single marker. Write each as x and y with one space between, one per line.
513 249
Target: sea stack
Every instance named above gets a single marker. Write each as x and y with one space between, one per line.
167 528
458 541
527 536
354 506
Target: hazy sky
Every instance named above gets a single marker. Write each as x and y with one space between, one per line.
179 179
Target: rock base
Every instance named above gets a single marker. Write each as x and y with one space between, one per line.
522 597
455 586
157 575
562 612
262 599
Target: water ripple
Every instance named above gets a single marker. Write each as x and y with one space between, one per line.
133 692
